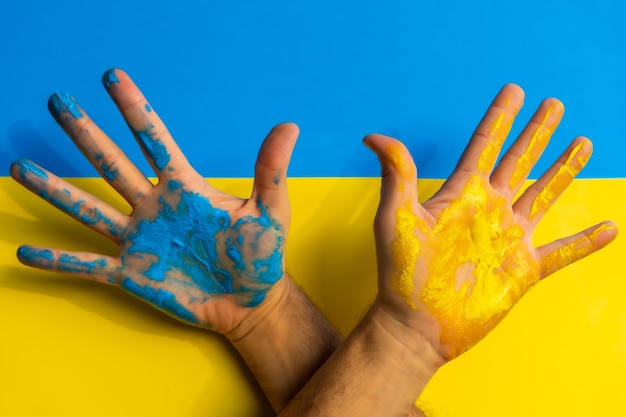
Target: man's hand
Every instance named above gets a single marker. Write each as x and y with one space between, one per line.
202 256
450 269
461 260
207 258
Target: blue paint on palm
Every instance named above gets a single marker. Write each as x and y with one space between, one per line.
187 237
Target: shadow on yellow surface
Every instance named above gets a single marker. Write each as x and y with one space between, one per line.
75 348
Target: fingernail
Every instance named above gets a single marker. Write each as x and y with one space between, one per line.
109 78
62 102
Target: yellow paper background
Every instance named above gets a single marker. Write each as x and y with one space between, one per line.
76 348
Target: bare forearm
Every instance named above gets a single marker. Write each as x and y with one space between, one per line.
371 373
286 347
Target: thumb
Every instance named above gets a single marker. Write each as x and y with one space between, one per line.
399 180
270 172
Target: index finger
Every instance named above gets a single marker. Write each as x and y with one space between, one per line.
481 153
157 144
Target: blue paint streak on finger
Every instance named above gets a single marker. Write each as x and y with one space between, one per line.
27 167
42 258
107 172
164 300
69 263
154 148
110 174
95 216
109 78
148 108
63 200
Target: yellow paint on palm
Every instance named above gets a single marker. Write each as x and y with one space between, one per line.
537 143
575 161
478 265
498 132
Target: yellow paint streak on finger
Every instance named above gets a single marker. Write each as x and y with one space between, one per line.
537 143
568 254
575 161
498 132
407 171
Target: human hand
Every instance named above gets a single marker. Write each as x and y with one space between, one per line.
462 259
205 257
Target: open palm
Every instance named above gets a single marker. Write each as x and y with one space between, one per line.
202 256
462 259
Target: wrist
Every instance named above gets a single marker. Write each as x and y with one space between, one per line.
380 363
411 339
284 342
263 317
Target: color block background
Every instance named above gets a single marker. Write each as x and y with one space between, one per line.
221 74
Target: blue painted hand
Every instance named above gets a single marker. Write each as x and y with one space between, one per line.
202 256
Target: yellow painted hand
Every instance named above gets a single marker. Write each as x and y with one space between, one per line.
462 259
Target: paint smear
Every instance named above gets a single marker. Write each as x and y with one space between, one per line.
155 149
201 242
498 132
109 78
574 163
405 248
536 144
63 102
162 299
574 251
27 167
110 174
41 258
478 265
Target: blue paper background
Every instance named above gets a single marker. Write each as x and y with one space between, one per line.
221 74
